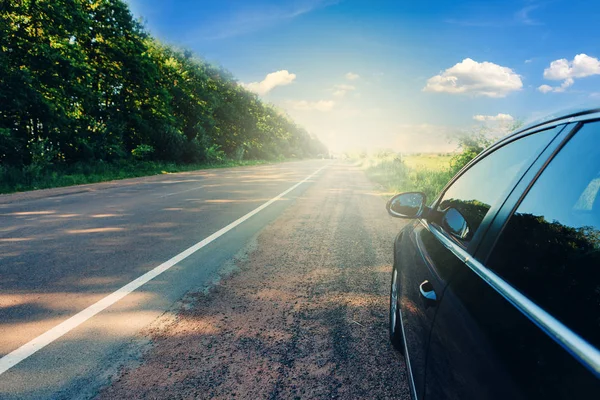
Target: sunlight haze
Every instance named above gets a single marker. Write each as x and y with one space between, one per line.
299 199
389 74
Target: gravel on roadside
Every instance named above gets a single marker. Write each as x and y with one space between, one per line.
304 316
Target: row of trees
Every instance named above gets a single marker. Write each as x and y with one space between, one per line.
81 80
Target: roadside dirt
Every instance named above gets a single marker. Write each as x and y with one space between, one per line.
303 317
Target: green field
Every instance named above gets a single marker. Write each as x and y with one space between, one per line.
431 161
426 173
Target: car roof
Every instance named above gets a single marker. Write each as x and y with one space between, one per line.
555 119
558 116
581 113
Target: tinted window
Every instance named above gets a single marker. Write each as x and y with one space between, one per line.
469 198
550 248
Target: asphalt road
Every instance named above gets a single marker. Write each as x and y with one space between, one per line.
62 252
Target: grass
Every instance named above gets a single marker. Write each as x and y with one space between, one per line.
430 161
420 173
35 177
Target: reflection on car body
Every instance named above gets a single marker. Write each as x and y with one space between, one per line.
509 253
455 224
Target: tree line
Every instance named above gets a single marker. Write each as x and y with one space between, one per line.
83 81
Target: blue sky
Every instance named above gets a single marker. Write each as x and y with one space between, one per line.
395 74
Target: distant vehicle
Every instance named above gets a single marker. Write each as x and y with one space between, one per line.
495 290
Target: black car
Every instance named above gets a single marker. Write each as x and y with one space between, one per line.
495 288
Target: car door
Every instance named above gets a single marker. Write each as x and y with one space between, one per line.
417 258
521 319
426 265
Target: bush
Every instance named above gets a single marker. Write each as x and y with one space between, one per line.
114 152
10 148
169 144
471 145
396 177
42 153
238 155
193 152
460 160
215 154
142 152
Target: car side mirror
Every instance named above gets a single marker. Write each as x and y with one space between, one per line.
407 205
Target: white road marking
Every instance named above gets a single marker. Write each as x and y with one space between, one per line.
31 347
183 191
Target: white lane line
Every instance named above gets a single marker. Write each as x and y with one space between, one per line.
31 347
183 191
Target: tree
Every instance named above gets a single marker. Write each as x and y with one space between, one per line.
82 81
474 142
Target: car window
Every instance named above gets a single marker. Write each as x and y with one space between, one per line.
466 202
550 247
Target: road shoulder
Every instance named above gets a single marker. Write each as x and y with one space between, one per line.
303 316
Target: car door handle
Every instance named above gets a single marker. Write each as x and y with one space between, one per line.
426 289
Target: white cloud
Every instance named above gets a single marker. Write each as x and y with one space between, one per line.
342 90
320 105
499 117
529 60
563 86
581 66
271 81
564 70
478 79
351 76
557 89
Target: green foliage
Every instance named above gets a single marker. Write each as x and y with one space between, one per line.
42 152
461 159
16 179
470 145
215 154
425 173
10 147
142 152
82 82
396 176
473 143
431 161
